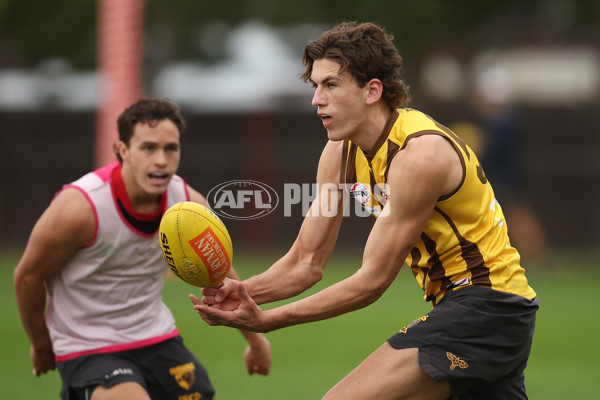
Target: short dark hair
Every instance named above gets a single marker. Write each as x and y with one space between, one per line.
148 110
366 51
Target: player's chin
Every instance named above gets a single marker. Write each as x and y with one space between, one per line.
334 136
155 188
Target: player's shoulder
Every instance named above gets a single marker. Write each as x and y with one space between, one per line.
431 142
70 216
330 162
428 158
70 196
412 121
71 200
196 197
333 150
426 151
78 194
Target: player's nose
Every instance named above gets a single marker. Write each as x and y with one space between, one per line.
318 98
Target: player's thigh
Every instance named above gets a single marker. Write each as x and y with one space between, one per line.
511 386
173 372
389 373
125 390
82 375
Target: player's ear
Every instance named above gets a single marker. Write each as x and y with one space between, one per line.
374 91
120 149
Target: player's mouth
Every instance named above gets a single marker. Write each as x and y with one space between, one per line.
158 178
327 120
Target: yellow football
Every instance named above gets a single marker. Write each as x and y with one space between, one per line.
195 244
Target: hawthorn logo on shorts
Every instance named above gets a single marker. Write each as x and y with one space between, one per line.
184 375
456 362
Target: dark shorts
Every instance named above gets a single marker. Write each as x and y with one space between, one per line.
167 370
478 339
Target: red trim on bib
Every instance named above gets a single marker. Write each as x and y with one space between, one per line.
119 347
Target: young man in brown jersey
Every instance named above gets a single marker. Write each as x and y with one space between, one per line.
435 211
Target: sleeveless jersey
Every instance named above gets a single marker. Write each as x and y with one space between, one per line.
465 241
107 297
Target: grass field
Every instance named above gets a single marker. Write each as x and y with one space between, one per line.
309 359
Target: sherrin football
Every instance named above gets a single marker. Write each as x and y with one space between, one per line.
195 244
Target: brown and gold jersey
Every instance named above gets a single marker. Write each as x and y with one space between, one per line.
465 241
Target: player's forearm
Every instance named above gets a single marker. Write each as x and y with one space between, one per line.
31 302
291 275
254 339
348 295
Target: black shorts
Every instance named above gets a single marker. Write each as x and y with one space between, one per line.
478 339
167 370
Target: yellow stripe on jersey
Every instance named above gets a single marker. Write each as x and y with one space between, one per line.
465 242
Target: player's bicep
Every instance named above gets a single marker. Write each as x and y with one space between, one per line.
321 225
302 266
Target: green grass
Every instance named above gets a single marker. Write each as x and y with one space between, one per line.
309 359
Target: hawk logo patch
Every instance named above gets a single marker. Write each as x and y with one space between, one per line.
456 362
184 375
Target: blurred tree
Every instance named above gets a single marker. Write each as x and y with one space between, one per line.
33 30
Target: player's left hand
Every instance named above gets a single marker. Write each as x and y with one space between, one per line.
42 359
247 315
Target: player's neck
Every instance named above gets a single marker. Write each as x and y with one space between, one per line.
375 122
140 200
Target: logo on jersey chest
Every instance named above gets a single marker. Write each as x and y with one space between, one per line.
360 193
371 202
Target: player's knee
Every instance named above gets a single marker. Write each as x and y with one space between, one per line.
125 390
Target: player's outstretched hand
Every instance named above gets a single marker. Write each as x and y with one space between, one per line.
247 315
